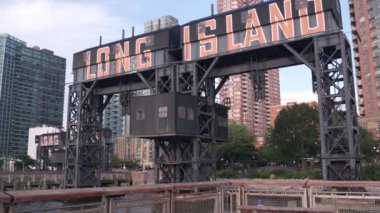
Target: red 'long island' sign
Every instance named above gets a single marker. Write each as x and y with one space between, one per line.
226 33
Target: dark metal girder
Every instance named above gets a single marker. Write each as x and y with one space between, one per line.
145 81
300 57
83 147
220 85
133 86
209 69
89 91
247 66
190 158
106 102
340 155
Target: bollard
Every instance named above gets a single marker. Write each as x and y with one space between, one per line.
106 204
28 185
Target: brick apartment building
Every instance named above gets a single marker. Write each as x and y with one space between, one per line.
365 24
245 109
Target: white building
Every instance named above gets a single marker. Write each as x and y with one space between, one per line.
33 132
160 23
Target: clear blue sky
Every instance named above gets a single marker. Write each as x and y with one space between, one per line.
72 25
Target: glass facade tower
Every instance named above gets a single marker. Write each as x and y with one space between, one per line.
32 84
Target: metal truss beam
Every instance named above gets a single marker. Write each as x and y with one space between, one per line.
83 146
189 159
333 81
185 160
88 92
106 102
165 79
207 72
340 153
220 85
300 57
145 81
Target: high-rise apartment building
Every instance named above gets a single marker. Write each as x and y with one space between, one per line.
365 23
245 108
135 149
113 118
32 82
226 5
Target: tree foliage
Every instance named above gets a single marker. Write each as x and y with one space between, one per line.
240 147
24 162
368 145
295 135
117 163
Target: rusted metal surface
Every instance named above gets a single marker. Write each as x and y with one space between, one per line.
118 191
219 197
40 180
299 183
61 194
201 185
267 209
5 198
343 184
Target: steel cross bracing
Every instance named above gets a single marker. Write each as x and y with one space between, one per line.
333 81
84 132
259 81
335 85
189 159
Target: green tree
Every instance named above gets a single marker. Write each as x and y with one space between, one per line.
116 162
130 164
295 136
268 153
24 162
368 145
240 147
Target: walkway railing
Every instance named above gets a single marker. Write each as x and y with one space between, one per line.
215 197
48 179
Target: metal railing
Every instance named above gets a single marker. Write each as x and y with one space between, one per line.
215 197
50 179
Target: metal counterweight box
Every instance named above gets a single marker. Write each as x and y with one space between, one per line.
57 157
164 115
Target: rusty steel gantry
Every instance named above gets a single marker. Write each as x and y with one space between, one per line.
187 59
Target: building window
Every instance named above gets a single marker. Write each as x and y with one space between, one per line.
190 114
163 112
182 112
140 115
